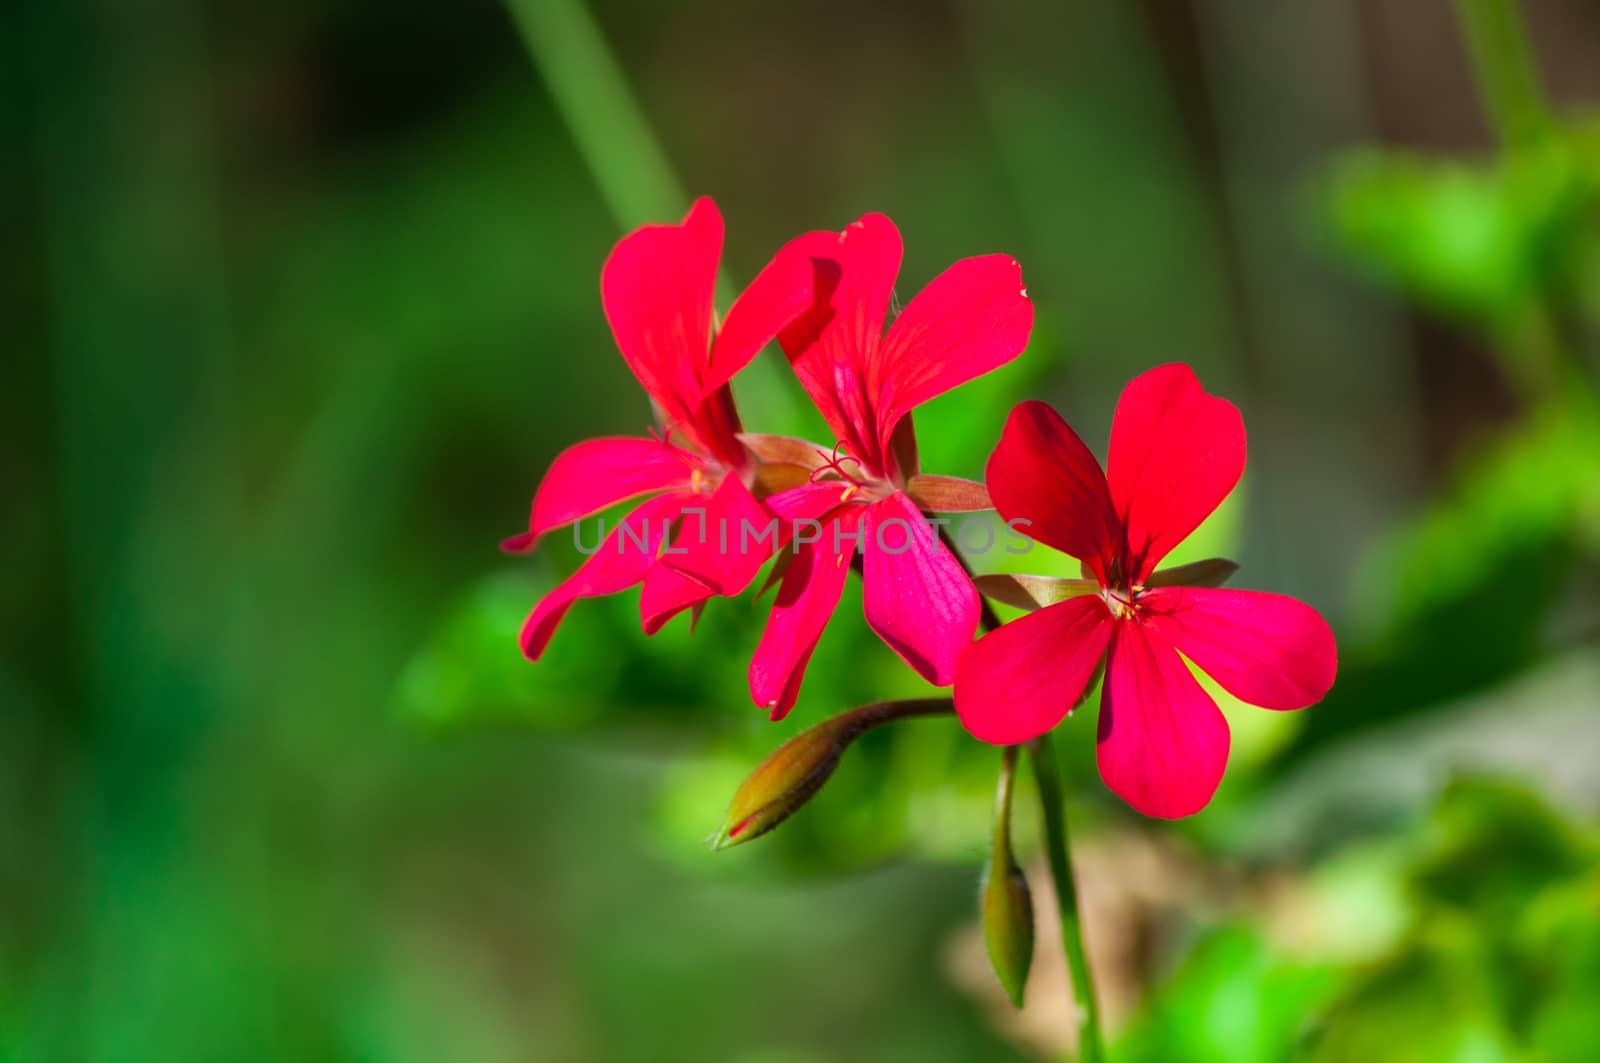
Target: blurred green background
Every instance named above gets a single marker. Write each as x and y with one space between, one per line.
301 298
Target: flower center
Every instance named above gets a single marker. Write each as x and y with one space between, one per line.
847 468
1123 601
705 475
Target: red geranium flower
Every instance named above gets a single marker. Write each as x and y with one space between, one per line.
866 492
657 291
1175 454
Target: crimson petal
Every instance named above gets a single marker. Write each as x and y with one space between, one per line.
621 561
589 476
1175 454
657 289
806 599
1042 473
1163 743
916 595
666 593
1264 649
833 345
725 538
972 318
780 293
1019 681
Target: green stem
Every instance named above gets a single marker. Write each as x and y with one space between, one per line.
1048 778
1548 349
1502 64
592 95
622 154
1002 804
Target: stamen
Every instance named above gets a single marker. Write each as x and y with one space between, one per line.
834 462
683 454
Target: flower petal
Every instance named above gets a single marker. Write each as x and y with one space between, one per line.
1042 473
657 290
806 599
1175 454
1020 680
916 595
833 344
724 539
808 503
589 476
1163 743
1265 649
666 593
780 293
622 560
973 317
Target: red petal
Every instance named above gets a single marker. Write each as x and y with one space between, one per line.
833 344
1019 681
806 599
1042 473
657 290
1175 454
917 597
1163 743
973 317
665 594
621 561
725 538
780 293
1264 649
589 476
807 502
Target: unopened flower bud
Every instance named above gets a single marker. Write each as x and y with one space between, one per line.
796 770
1007 905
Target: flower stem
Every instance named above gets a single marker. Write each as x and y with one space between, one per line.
1551 351
592 95
1048 778
1502 64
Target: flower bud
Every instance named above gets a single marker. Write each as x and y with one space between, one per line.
796 770
784 781
1008 927
1007 905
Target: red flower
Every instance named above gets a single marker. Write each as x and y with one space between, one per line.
972 318
657 291
1175 454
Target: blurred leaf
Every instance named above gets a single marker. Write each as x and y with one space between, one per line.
1494 845
1476 242
1434 1003
1559 937
1445 234
1233 1000
1528 490
472 670
1503 945
1472 578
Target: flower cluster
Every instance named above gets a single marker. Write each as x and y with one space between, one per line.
705 482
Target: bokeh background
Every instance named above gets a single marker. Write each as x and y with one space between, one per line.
300 299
